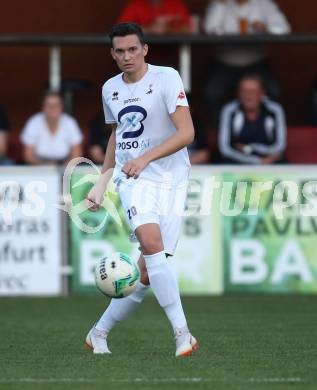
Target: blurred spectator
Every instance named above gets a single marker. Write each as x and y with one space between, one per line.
51 136
240 17
158 16
198 151
4 130
99 137
252 128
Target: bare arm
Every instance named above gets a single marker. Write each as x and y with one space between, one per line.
3 143
96 154
75 151
95 196
183 136
30 158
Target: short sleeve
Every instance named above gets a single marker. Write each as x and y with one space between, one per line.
276 20
174 93
109 118
75 133
29 133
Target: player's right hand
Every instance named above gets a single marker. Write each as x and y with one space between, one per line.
94 197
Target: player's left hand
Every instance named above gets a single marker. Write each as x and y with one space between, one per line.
133 168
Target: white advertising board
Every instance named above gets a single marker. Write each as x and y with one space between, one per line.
30 231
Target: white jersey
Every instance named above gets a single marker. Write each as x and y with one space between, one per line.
142 111
50 145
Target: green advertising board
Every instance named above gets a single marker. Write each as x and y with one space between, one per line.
94 235
252 232
270 233
198 259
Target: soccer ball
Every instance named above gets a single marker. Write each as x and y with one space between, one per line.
117 275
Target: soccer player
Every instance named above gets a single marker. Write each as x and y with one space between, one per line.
152 126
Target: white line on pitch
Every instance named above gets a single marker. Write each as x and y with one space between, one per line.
257 380
278 380
151 380
47 380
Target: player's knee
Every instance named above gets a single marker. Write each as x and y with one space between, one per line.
150 239
150 243
151 246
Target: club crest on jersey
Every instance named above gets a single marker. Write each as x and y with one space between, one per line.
115 96
181 95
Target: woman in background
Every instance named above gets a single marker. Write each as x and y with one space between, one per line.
51 137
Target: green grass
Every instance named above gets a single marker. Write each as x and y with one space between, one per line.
247 342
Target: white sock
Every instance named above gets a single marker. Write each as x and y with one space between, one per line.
120 309
165 288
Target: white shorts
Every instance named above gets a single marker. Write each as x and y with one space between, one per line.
148 202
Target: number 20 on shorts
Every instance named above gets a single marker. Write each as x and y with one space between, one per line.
131 212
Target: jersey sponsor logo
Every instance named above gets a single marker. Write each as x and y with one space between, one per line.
134 100
133 120
181 95
127 145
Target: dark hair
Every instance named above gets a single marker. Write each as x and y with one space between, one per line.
254 77
50 93
124 29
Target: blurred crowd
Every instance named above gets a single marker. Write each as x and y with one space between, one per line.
251 128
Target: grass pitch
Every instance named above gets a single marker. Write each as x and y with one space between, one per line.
247 342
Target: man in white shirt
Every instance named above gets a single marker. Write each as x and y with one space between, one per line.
240 17
51 137
152 126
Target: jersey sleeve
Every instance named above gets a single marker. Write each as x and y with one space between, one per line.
109 118
75 133
29 133
174 93
275 19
